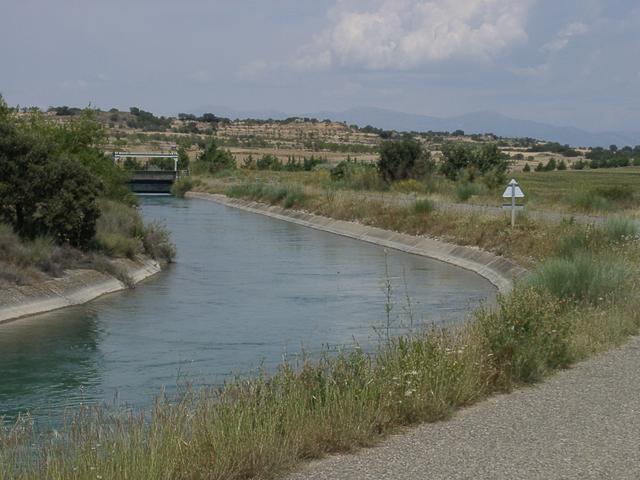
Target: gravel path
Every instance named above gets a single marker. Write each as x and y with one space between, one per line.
583 423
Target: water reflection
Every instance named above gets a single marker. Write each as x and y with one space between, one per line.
51 357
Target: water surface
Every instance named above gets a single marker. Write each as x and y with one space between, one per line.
244 291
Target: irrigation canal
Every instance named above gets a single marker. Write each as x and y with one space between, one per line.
245 290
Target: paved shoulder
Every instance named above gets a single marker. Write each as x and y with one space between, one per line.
583 423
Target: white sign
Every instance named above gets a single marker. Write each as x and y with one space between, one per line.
513 190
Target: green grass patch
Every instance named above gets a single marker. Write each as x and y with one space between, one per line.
594 191
465 191
423 206
583 277
621 230
590 201
287 196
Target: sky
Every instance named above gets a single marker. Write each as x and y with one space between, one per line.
564 62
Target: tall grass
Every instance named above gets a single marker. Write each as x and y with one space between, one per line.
121 232
591 201
423 206
466 190
183 185
621 230
583 277
286 195
604 198
27 262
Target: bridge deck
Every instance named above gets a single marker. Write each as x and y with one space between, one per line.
152 181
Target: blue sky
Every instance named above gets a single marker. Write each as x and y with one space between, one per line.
566 62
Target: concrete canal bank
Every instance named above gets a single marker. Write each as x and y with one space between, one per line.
75 288
500 271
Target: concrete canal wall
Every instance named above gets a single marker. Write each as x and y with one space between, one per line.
500 271
75 288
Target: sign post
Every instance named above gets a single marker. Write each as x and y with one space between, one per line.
513 191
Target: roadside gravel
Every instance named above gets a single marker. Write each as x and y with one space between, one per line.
582 423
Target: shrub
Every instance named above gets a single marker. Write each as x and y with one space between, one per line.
269 162
526 336
295 197
615 193
41 195
290 196
465 191
21 262
408 186
551 165
526 168
590 201
579 165
356 176
573 243
272 193
582 277
620 230
183 185
403 159
562 165
423 206
493 178
486 159
213 159
118 245
156 241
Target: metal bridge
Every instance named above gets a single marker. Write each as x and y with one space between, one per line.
150 179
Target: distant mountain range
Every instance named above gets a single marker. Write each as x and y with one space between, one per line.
477 122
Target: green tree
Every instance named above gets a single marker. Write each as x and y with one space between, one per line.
551 165
486 160
403 159
41 192
213 159
83 139
183 157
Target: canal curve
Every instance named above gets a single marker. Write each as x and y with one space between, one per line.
245 290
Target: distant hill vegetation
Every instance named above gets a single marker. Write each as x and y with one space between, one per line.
478 123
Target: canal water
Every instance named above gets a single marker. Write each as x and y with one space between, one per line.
245 291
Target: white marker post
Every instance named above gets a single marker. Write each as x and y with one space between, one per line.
513 191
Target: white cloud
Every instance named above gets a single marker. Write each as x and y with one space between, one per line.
565 35
405 34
